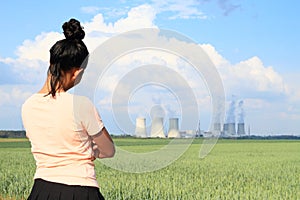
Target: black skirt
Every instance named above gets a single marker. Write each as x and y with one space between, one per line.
45 190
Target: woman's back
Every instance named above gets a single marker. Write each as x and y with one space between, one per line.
58 131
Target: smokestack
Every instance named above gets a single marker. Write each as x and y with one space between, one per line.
173 128
241 129
157 128
231 129
140 129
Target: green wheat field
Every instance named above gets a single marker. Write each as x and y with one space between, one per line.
235 169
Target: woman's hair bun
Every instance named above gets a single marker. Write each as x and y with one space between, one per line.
73 30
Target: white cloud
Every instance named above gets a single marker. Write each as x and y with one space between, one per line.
38 49
24 70
33 55
262 78
113 13
188 9
188 12
293 88
13 95
191 9
151 58
97 30
138 17
90 9
12 98
289 116
247 76
256 104
269 97
218 60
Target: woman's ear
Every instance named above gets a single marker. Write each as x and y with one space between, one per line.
77 75
77 72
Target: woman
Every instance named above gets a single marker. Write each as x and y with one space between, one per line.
65 131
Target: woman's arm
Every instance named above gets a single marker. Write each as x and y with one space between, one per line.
104 144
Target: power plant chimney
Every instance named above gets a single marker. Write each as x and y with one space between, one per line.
157 128
140 129
173 128
241 129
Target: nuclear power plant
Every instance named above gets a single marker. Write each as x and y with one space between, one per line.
158 129
229 129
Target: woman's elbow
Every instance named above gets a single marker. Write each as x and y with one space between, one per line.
108 154
111 153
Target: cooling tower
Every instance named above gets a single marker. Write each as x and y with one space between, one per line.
157 128
140 127
231 129
173 128
241 129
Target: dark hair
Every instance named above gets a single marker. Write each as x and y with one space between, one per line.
67 53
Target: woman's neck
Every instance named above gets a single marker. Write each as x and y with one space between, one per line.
46 87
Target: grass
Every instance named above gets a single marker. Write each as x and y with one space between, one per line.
235 169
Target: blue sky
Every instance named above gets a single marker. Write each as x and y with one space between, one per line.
254 45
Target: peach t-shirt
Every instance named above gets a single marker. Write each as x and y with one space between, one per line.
60 131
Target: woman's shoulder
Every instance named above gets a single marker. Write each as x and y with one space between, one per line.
33 97
80 98
81 101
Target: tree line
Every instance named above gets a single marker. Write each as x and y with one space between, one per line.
12 134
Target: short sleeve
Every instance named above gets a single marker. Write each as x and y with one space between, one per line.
89 117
